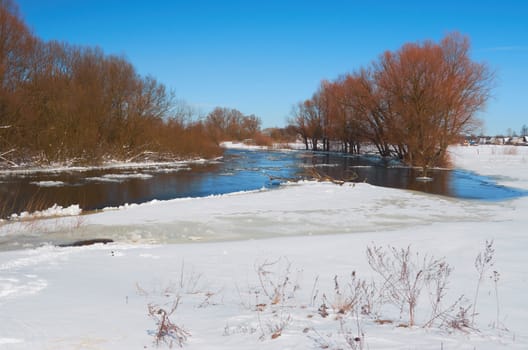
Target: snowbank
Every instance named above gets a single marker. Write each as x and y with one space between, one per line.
54 211
507 164
98 296
241 145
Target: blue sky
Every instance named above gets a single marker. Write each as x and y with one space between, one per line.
262 57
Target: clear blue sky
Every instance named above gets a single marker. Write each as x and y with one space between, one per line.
262 57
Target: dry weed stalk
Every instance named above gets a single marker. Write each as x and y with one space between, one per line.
188 282
342 304
459 321
437 292
483 262
318 176
404 275
323 309
315 291
353 341
277 287
350 339
495 277
275 281
359 301
359 298
322 342
167 331
277 326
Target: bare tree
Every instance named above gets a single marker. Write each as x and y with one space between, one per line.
413 102
227 124
435 91
68 103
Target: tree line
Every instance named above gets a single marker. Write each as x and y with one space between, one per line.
411 103
60 102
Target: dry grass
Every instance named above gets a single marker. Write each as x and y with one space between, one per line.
505 150
16 205
275 280
351 304
167 332
404 274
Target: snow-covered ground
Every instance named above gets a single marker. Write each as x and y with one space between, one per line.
241 145
276 146
507 164
97 297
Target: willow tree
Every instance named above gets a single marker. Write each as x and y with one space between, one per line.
16 49
368 111
229 124
434 91
60 102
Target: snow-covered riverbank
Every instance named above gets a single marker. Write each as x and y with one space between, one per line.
96 297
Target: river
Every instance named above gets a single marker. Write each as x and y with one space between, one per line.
238 170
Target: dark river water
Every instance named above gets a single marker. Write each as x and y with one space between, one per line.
238 170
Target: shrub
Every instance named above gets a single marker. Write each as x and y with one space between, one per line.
404 275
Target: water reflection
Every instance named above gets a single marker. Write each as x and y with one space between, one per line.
239 170
387 173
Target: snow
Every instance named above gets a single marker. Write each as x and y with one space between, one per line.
507 164
48 183
119 177
53 211
208 251
277 146
241 145
108 165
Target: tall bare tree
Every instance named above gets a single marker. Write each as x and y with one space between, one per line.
434 91
412 103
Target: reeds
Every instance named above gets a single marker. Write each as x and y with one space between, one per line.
18 203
